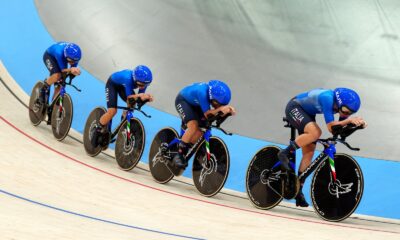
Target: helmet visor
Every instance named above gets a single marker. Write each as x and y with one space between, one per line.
215 104
141 84
70 60
345 111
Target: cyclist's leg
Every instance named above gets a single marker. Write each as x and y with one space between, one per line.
57 89
190 118
310 134
55 74
295 120
102 129
112 100
307 142
192 133
308 152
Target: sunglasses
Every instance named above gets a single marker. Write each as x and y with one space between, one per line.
345 111
140 84
70 60
215 104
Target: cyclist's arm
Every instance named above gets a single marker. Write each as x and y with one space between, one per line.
211 112
224 109
358 121
74 70
333 123
142 96
326 102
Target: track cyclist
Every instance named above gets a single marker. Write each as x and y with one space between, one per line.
193 105
61 57
301 111
122 84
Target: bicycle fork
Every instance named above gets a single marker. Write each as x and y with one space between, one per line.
129 116
330 152
60 104
60 109
207 136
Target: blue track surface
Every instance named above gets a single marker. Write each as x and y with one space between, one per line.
24 40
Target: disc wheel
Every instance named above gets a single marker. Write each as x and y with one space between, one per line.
37 111
90 127
128 151
61 117
160 153
337 200
209 176
264 185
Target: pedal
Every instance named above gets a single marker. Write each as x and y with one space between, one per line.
164 149
104 139
174 170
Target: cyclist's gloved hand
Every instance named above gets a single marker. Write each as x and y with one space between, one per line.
131 101
222 119
140 103
337 129
75 71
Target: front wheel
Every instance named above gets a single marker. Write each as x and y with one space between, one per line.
209 176
37 111
61 117
264 183
337 200
129 150
160 153
90 126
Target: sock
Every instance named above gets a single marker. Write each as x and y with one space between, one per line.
102 127
45 85
301 182
292 147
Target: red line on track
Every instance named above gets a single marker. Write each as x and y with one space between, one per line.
184 196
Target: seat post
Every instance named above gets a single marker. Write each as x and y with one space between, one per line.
292 129
292 157
292 133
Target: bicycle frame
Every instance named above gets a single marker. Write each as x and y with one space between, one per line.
60 97
62 82
60 93
206 137
328 153
127 118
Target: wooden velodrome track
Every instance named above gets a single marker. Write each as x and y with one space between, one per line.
53 190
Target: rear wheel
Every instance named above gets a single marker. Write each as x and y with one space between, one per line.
129 151
161 153
90 126
61 117
209 176
264 183
37 111
337 200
